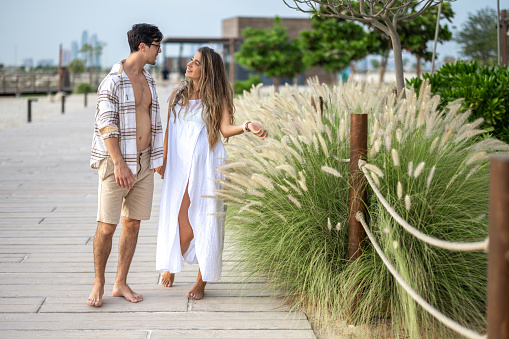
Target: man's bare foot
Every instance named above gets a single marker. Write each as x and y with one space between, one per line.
126 292
96 297
167 279
197 291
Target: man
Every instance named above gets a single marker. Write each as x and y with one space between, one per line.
126 149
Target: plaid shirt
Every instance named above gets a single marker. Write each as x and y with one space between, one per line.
116 117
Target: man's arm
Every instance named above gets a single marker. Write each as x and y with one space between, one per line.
123 174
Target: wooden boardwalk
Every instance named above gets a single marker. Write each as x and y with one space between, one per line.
48 200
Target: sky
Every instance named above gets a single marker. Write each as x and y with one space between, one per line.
35 28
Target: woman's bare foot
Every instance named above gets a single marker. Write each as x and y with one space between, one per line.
96 297
125 291
198 289
167 279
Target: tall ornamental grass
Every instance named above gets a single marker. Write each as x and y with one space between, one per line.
288 205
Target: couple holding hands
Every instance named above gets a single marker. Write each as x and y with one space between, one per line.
128 147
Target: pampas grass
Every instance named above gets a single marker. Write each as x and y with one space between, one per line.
430 166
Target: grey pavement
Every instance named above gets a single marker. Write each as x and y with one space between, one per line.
48 197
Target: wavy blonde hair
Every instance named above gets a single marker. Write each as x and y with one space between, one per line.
215 93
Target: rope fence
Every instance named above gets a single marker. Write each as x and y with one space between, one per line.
431 310
453 246
448 245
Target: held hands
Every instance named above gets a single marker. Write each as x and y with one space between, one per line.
257 129
123 176
160 170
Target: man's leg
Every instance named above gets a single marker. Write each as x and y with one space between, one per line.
102 248
126 248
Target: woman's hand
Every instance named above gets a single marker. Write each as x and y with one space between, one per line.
257 129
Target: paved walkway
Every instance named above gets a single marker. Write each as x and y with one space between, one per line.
47 223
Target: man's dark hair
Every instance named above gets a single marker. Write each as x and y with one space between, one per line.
143 33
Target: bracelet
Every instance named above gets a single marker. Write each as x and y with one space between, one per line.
244 126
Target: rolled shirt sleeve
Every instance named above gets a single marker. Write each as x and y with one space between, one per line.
107 110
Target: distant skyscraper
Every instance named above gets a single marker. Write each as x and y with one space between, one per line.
94 43
28 63
66 57
84 41
74 50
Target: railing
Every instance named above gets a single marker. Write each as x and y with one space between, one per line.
498 265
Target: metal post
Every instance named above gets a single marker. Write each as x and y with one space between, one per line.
357 198
232 61
63 103
498 250
503 37
85 98
29 110
436 38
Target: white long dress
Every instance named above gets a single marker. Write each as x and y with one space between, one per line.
189 159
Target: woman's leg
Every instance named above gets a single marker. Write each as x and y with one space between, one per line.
186 235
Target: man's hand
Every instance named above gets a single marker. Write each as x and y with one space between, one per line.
123 175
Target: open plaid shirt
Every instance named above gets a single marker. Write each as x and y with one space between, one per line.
116 117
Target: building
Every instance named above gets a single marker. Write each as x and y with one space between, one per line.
231 40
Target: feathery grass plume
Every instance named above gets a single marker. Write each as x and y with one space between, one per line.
229 185
251 211
373 168
250 204
375 179
408 202
472 171
302 181
322 143
329 133
289 169
395 157
309 266
399 135
293 187
479 156
263 180
410 168
395 244
329 225
386 230
388 141
331 170
433 145
430 178
294 200
418 170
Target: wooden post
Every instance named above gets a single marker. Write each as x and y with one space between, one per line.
498 250
357 202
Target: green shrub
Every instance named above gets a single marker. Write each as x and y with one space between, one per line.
287 202
84 87
485 91
245 85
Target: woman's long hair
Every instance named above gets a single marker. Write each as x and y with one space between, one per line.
215 93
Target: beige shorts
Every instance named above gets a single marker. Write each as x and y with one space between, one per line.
134 203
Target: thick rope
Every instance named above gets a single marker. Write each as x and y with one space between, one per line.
430 309
448 245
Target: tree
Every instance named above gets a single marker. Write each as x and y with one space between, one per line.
417 33
334 43
76 67
271 52
382 14
478 36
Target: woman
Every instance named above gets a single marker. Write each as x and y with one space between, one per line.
190 225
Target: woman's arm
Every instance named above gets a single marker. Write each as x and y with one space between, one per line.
229 130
